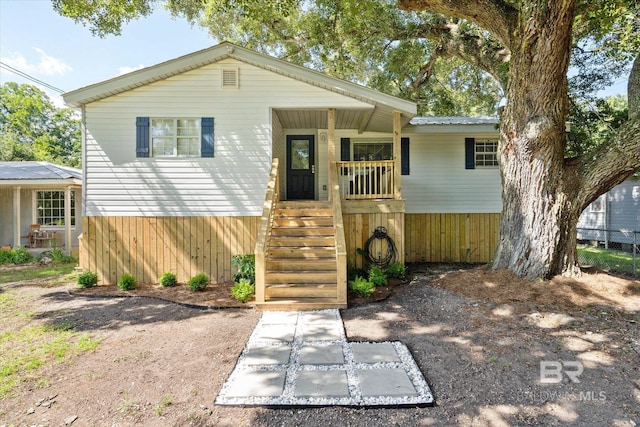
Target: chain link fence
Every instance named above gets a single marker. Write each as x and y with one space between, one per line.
614 250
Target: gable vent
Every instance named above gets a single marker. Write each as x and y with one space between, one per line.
230 78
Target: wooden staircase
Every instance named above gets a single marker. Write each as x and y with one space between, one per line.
301 270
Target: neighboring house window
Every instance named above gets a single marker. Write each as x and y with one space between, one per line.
50 207
175 137
486 153
598 204
367 150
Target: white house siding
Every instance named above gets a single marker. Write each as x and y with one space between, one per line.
622 212
278 144
230 184
438 181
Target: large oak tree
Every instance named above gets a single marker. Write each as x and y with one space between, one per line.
543 192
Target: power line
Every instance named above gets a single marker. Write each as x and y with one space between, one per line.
28 77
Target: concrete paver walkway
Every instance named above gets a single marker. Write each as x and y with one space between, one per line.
304 359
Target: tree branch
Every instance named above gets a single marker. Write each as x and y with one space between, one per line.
496 16
618 159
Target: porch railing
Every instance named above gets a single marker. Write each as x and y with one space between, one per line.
266 222
366 179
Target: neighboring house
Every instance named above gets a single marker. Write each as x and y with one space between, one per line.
181 172
38 203
613 217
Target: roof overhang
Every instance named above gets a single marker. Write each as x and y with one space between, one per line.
61 183
380 102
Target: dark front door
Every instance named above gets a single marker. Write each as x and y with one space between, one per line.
300 167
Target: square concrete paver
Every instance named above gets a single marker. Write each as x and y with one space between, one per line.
328 384
269 355
374 352
275 332
257 384
279 317
321 355
385 382
321 332
320 317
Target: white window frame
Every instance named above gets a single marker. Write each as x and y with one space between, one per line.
356 142
598 205
175 137
484 158
53 218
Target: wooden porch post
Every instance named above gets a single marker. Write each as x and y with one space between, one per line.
16 217
331 136
397 172
67 218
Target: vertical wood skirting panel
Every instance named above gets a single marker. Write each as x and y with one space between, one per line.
451 237
360 226
148 246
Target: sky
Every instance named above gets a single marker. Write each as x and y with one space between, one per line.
54 49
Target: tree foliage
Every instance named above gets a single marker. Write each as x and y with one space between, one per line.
32 128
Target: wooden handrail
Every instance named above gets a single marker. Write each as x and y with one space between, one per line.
341 245
367 179
262 242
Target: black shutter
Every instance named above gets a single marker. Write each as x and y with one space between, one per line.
404 155
142 136
469 153
206 142
345 149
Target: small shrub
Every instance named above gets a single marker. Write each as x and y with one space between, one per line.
362 287
6 256
246 265
58 256
377 276
243 290
20 255
168 279
87 279
127 282
198 282
396 270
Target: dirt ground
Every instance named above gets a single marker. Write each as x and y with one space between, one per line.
479 337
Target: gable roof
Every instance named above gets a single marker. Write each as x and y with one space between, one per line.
23 171
224 50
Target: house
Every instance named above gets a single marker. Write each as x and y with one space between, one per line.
227 151
613 217
38 205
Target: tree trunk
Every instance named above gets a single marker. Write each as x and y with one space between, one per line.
539 192
543 194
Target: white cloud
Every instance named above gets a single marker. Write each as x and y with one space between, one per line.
46 66
126 69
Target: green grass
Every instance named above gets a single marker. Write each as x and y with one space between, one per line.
26 346
607 259
56 274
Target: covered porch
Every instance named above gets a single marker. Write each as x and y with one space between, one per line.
327 199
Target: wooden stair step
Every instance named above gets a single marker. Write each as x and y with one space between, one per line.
301 252
301 304
303 204
296 212
297 231
304 264
288 277
323 290
303 221
302 241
